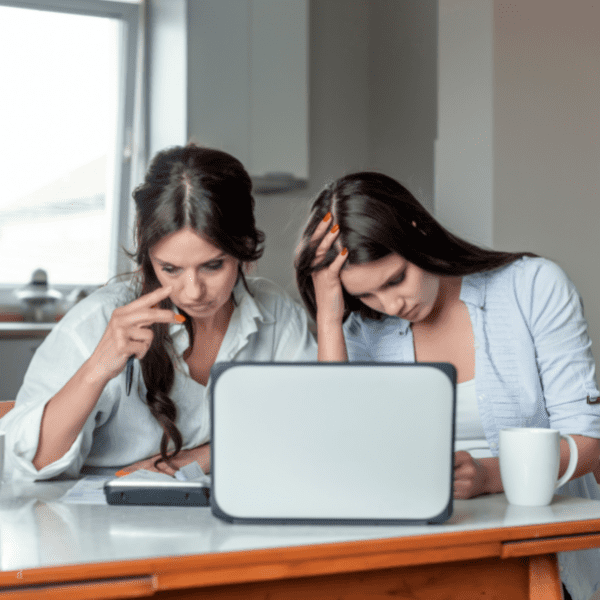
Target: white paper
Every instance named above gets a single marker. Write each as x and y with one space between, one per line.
89 490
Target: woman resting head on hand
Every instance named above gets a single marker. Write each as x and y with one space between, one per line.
187 306
386 282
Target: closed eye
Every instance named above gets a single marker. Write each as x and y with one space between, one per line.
169 269
396 281
214 265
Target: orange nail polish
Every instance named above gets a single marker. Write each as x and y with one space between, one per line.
344 251
327 217
121 473
335 228
180 318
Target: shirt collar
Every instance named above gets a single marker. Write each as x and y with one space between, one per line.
473 289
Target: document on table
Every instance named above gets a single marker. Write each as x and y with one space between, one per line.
90 489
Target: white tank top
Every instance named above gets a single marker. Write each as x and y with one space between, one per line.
469 434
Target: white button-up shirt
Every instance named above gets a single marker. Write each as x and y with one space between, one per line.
264 326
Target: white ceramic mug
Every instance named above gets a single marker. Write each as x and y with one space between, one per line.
529 464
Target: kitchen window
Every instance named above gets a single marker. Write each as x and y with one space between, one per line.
67 104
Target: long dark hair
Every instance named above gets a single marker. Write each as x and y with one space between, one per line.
378 216
210 192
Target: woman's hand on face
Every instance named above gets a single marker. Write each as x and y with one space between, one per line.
128 333
200 454
328 287
470 476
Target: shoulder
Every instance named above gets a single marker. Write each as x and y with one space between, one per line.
530 276
537 288
523 274
93 312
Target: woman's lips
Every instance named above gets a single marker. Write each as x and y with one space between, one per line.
411 314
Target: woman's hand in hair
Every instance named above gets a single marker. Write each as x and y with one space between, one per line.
129 334
329 297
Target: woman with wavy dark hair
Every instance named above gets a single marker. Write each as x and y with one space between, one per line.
188 306
386 282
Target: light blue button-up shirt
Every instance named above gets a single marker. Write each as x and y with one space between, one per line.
533 367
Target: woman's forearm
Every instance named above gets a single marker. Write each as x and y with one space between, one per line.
588 450
65 414
331 342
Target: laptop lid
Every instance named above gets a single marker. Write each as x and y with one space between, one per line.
332 442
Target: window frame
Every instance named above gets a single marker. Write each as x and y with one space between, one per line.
130 16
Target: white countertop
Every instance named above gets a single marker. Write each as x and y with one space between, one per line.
11 329
38 530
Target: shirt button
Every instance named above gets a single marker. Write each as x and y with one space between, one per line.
482 397
493 445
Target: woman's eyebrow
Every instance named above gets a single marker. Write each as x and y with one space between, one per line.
166 263
391 278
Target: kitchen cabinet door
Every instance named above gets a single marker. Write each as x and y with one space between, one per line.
15 356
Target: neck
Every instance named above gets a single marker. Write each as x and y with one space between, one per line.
448 296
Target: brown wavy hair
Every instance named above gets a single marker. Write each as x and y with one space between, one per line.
210 192
378 216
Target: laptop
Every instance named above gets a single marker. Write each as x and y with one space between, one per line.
347 443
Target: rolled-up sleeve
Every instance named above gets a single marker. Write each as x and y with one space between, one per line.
563 351
54 363
69 344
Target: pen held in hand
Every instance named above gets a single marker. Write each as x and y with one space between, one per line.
129 368
129 374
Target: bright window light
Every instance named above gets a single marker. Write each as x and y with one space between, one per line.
60 105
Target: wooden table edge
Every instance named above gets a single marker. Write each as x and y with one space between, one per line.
243 566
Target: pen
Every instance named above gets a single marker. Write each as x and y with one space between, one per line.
129 374
129 367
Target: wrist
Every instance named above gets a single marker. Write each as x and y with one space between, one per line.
493 481
329 322
94 375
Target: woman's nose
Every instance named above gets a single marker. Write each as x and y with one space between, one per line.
391 304
193 286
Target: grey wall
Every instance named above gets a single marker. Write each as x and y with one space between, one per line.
547 147
372 105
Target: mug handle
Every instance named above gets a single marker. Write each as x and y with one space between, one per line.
572 461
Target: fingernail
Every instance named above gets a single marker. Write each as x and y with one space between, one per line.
327 217
344 251
180 318
121 473
335 228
